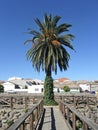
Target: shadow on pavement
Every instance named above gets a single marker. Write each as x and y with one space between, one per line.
53 127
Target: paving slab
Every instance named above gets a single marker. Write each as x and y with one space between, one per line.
53 119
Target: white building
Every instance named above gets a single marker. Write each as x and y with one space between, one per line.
36 89
15 84
8 86
85 87
91 86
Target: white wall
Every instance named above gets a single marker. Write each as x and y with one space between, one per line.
74 90
31 89
85 87
8 86
35 89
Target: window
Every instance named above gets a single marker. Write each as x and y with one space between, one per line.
42 89
17 86
29 83
36 89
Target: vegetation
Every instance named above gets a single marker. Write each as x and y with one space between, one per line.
26 110
25 87
66 88
48 50
9 122
1 88
3 112
79 125
48 93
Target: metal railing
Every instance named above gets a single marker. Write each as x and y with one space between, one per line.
30 119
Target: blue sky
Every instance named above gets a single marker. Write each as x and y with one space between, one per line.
16 16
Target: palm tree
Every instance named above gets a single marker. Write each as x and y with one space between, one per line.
48 50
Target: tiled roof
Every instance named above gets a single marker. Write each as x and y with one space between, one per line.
61 82
63 79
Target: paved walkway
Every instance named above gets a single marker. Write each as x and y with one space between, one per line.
53 119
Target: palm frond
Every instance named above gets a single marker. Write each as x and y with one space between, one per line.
47 23
55 20
29 53
28 41
65 40
62 28
35 33
39 24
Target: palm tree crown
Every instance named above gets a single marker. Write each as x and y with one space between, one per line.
48 49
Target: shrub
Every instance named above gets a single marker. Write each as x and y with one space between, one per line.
1 88
9 122
25 87
3 112
66 88
79 125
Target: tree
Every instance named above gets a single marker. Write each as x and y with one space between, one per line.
25 87
66 88
48 50
1 88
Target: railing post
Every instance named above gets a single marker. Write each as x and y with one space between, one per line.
31 121
87 100
85 126
41 106
36 115
33 100
96 101
11 103
74 121
63 110
74 98
68 114
60 105
63 97
26 102
38 111
22 127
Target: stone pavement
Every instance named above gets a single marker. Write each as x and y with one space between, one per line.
53 119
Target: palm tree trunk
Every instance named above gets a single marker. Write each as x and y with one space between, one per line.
48 73
48 89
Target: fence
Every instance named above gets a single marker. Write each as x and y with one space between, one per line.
18 100
30 119
72 116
